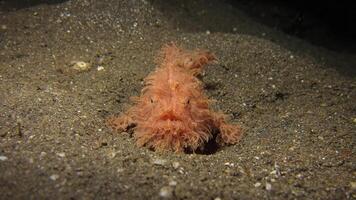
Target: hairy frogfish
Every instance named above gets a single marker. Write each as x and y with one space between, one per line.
173 113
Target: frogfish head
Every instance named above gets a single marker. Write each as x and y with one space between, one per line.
171 116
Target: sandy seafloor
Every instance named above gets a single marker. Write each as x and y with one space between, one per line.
294 100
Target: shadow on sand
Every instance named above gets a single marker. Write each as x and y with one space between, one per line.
311 23
13 5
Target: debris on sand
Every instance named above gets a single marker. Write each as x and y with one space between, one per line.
3 158
166 192
80 66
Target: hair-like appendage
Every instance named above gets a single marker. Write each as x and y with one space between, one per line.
192 61
172 113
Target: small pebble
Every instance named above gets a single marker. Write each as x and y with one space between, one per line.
54 177
268 187
112 154
323 105
3 158
217 198
229 164
159 161
258 184
166 192
100 68
175 165
181 171
207 32
62 155
353 185
172 183
354 120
